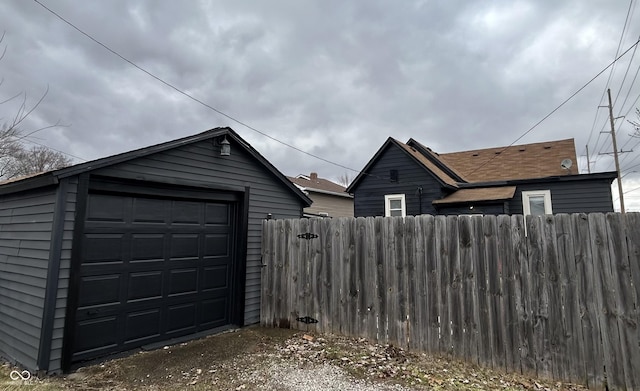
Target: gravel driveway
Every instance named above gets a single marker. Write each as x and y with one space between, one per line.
256 358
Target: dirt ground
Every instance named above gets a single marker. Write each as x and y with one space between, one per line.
256 358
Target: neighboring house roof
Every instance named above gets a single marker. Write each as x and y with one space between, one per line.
525 161
480 175
52 177
479 194
313 183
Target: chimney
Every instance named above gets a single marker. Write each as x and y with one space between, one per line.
314 176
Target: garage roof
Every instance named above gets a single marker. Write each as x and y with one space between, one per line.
52 177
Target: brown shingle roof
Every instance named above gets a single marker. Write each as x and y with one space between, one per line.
313 182
479 194
525 161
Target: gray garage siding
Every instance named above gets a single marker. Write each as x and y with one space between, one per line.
63 278
199 163
25 238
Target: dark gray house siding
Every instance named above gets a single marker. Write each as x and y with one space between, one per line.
369 195
587 196
41 219
478 208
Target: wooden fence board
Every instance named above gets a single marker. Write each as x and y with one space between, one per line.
632 221
556 308
516 301
444 291
494 292
626 314
605 300
352 292
432 287
393 297
529 303
369 293
314 270
456 304
415 265
280 279
381 285
589 308
401 256
467 286
266 294
539 296
506 263
573 355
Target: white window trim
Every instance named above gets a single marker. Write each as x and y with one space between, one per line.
526 208
387 204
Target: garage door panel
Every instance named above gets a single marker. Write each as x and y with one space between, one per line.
183 281
184 246
143 325
99 290
215 277
149 210
181 318
94 334
216 245
152 269
100 248
145 285
147 247
214 312
184 212
102 207
217 214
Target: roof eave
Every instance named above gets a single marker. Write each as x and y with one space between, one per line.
44 180
609 175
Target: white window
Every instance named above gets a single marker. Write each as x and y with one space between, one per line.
536 202
394 205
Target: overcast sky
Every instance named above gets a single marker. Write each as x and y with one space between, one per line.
333 78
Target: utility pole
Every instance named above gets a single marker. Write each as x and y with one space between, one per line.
615 152
588 162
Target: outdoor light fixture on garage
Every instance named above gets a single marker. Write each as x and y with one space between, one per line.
225 147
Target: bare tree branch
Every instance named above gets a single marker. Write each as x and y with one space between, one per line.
15 159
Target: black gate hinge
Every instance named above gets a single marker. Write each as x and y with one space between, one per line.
307 320
308 236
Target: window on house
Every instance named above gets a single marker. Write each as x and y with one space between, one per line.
536 203
394 205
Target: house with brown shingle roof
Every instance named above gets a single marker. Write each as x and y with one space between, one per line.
329 198
540 178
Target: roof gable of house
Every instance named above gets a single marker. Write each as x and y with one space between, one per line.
419 158
52 177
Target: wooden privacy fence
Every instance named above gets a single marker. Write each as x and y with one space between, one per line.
560 302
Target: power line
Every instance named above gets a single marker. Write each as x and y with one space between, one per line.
604 91
178 90
558 107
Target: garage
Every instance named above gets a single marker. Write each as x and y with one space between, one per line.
147 247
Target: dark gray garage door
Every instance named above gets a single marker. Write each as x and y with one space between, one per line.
152 269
